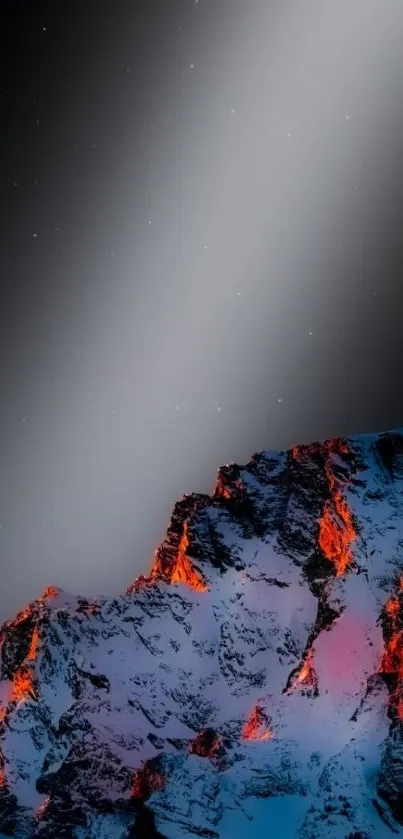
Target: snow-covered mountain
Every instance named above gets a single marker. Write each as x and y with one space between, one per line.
251 686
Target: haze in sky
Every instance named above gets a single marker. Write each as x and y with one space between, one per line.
201 258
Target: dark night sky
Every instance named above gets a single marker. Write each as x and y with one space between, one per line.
201 215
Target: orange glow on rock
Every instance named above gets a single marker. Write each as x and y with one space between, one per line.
181 569
147 780
50 591
392 661
2 778
33 649
184 573
257 726
333 446
336 529
21 617
23 687
392 607
306 674
221 491
207 744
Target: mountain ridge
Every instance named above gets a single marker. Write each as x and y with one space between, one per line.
254 677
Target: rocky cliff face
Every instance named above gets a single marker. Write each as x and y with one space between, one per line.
251 685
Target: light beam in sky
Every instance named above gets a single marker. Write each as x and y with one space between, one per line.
199 300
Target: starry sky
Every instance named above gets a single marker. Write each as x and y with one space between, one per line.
201 253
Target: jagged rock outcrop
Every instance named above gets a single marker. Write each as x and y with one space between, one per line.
252 682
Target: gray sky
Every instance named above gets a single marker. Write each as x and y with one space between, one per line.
201 209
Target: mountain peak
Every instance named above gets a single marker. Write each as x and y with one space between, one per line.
254 677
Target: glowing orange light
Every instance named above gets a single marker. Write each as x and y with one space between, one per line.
206 744
392 607
50 591
392 661
336 529
33 649
23 687
22 616
221 491
181 569
147 780
183 572
336 532
256 727
306 674
332 446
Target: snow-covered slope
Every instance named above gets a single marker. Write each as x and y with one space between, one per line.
251 686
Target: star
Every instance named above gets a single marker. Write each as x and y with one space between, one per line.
310 332
280 399
34 235
191 66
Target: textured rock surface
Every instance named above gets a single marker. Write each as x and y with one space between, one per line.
252 683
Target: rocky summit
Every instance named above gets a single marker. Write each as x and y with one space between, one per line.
250 686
